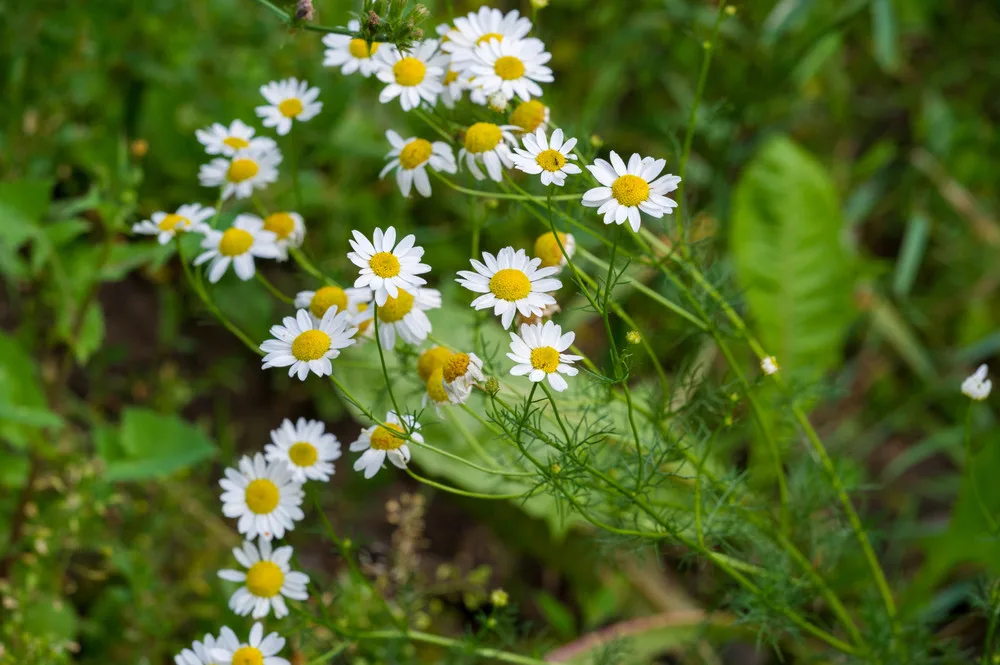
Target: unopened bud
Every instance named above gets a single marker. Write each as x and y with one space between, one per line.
731 10
139 148
499 598
539 4
492 386
596 141
633 337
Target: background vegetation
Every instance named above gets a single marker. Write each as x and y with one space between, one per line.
865 247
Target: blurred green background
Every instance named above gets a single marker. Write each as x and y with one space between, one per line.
105 349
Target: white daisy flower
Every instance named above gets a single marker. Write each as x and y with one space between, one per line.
510 68
538 352
410 157
268 580
304 345
977 386
379 442
510 282
626 190
453 88
547 248
404 316
289 230
482 27
547 313
249 169
769 365
487 144
164 225
258 650
288 100
386 266
227 141
265 497
460 373
436 394
550 158
238 244
412 76
530 116
200 653
345 300
350 54
306 447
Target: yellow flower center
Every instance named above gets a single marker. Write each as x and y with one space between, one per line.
387 438
303 453
435 386
545 358
450 77
482 136
262 496
236 143
430 360
359 48
456 366
488 37
242 169
364 325
172 221
396 308
291 107
415 153
248 656
508 68
384 264
235 242
630 190
550 160
529 116
510 284
547 249
326 297
409 71
280 224
264 579
310 345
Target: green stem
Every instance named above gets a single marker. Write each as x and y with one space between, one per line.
970 470
274 291
303 262
429 638
460 492
381 357
328 656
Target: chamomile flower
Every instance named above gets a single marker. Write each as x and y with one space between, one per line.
460 373
325 297
511 68
977 386
487 144
388 440
530 116
510 282
289 230
538 352
288 100
268 580
627 190
453 88
430 360
306 447
404 316
436 394
166 225
350 54
304 345
387 266
239 245
227 141
200 653
258 650
547 313
411 157
411 75
265 497
555 251
549 157
482 27
249 169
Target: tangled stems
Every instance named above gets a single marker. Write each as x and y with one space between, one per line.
385 370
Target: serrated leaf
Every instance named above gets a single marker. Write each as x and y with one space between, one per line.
152 445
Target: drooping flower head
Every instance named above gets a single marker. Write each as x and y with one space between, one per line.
531 116
977 386
350 54
385 441
404 316
325 297
553 251
430 360
510 282
166 225
227 141
461 372
488 144
410 158
289 230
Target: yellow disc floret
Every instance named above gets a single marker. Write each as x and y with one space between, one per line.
550 160
264 579
262 496
174 222
242 169
432 359
456 366
409 71
303 453
291 107
510 284
310 345
236 143
384 264
435 386
545 358
396 308
548 250
529 116
387 437
482 136
508 68
281 224
489 36
630 190
450 77
248 656
415 153
327 297
235 242
359 48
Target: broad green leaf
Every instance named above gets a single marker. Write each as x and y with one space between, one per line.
91 334
152 445
790 258
22 205
22 401
51 618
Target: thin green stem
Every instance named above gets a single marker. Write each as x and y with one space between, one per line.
461 492
472 465
500 195
303 262
273 290
970 470
429 638
329 655
381 357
